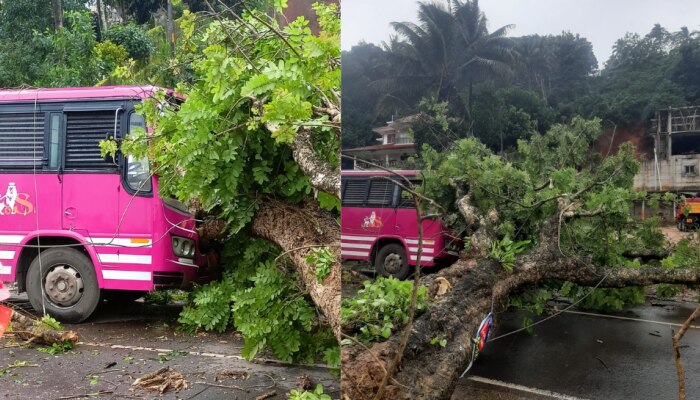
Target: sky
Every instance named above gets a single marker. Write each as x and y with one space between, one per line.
602 22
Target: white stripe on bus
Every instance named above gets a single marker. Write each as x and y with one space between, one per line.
414 241
121 242
355 245
354 253
183 260
5 269
7 255
422 259
126 275
358 238
426 250
124 258
11 239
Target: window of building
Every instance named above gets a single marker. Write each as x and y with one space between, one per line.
690 170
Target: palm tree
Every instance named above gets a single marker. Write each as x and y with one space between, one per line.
445 53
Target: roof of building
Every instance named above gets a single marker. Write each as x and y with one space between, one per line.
393 126
72 93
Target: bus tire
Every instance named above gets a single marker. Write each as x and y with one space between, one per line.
71 293
391 261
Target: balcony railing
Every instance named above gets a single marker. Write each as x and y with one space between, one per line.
392 164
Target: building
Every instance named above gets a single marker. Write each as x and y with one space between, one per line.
673 165
394 151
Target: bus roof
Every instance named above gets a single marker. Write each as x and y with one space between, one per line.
404 172
76 93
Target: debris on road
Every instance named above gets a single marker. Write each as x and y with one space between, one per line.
304 383
227 373
162 380
42 331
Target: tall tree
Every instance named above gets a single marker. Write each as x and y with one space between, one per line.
447 51
57 14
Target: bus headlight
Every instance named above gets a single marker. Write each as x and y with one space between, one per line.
183 247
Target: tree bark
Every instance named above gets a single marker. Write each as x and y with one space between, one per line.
431 372
33 331
57 14
296 228
323 175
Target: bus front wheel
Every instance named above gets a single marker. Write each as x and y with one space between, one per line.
391 261
63 282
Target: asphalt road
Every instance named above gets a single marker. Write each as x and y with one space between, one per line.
625 355
122 343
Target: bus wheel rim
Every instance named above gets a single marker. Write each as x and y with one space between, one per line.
63 285
393 263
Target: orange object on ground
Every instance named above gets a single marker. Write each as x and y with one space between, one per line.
5 315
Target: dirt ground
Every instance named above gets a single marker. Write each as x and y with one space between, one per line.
123 343
674 235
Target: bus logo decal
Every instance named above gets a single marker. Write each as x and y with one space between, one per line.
373 221
13 202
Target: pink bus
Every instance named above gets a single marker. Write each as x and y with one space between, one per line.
379 225
76 227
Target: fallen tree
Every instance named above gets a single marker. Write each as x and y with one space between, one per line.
580 228
255 145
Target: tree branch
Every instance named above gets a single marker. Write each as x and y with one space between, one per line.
322 174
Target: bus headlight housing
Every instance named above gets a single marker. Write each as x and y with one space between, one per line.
183 247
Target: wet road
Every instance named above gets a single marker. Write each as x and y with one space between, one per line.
588 356
123 343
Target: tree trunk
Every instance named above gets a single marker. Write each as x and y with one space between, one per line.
101 17
297 229
57 14
431 372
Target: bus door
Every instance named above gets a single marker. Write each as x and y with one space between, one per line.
91 184
136 199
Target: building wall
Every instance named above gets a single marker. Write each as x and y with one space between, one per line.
671 174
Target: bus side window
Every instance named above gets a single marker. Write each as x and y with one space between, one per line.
22 137
138 173
354 192
54 137
381 192
406 198
84 131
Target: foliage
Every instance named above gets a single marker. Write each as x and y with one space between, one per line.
533 301
161 297
505 250
262 302
133 38
57 348
604 299
380 307
221 139
317 394
49 322
686 254
322 259
667 291
70 54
